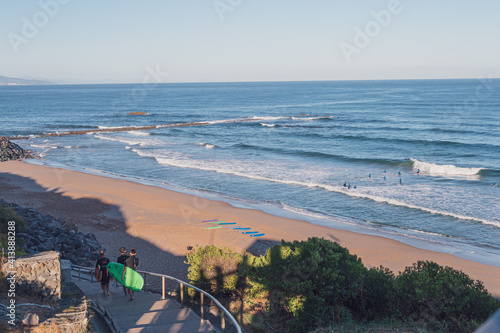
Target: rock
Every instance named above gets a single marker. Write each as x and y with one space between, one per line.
46 233
33 249
10 151
91 235
31 319
47 246
93 245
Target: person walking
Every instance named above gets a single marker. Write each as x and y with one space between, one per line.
122 259
101 273
131 263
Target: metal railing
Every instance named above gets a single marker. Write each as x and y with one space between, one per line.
182 284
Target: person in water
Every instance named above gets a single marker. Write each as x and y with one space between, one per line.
418 171
345 184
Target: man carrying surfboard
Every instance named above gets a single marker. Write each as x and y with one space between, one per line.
131 263
122 260
101 273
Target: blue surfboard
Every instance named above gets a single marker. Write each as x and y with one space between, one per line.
257 235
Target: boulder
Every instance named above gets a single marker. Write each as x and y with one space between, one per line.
31 319
10 151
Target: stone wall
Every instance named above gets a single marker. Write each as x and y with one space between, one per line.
39 276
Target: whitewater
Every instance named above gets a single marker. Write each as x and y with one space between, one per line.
423 165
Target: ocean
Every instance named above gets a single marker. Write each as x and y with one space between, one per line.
422 157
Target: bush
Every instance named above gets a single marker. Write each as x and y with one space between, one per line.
214 269
379 293
7 215
317 282
448 299
313 282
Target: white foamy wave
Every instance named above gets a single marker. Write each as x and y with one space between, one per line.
445 170
110 127
139 133
267 118
43 146
206 145
130 141
268 125
187 163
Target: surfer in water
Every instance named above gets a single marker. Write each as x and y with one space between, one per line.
122 259
132 262
101 273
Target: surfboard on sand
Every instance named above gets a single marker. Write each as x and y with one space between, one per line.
217 227
257 235
131 279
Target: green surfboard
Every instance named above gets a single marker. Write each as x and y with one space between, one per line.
131 280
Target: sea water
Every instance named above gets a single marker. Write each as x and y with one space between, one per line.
423 155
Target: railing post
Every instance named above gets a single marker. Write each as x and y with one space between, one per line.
182 295
202 307
162 287
223 322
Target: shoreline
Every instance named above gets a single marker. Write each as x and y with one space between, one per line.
161 223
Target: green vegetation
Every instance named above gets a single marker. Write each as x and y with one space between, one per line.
302 286
8 215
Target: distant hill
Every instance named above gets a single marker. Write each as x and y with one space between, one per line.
7 81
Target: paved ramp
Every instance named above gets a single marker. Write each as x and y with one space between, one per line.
146 313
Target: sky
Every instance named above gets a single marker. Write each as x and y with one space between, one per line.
124 41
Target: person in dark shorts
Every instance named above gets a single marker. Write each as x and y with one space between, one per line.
122 260
132 262
101 272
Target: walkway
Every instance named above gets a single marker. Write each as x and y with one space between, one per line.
146 313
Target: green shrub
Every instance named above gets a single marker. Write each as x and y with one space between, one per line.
379 293
448 299
7 215
317 282
214 269
313 282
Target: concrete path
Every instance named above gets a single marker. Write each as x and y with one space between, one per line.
146 313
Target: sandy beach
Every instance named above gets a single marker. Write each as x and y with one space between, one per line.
160 223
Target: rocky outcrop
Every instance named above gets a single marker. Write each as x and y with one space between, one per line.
137 113
10 151
46 233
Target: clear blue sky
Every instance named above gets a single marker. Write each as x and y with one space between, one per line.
248 40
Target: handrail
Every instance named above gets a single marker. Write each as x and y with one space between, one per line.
182 283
